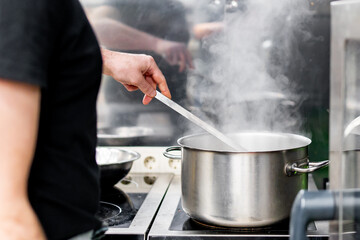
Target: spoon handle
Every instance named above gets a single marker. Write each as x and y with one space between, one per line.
210 129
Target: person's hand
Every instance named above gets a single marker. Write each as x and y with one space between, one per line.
19 222
175 53
135 71
202 30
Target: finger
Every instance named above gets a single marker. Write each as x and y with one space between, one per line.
145 87
157 76
146 100
182 62
130 88
189 59
171 58
150 81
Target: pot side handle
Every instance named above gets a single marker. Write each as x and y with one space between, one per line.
171 149
295 168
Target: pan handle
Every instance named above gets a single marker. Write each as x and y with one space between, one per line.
171 149
295 168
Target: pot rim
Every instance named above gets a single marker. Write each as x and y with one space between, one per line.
307 142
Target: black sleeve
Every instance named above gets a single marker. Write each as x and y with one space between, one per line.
24 40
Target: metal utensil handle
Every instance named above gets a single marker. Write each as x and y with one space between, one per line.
210 129
313 166
171 149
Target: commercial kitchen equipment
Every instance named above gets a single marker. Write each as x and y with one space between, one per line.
253 188
173 223
150 202
342 202
149 196
114 163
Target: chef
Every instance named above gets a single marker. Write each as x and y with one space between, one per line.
50 70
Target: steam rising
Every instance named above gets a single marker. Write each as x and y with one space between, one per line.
245 85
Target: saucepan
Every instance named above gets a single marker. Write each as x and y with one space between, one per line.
114 163
243 189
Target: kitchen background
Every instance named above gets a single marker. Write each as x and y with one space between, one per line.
258 65
240 65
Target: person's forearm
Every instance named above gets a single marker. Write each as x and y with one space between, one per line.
116 35
19 111
205 29
108 60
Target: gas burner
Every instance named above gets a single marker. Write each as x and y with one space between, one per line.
192 224
117 207
108 211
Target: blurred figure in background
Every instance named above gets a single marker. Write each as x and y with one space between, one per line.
160 29
155 27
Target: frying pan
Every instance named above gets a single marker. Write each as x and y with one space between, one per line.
114 163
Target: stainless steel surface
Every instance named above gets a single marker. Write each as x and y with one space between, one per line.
119 136
290 169
344 111
114 155
210 129
161 226
344 15
172 149
146 213
353 127
252 141
312 167
114 163
238 189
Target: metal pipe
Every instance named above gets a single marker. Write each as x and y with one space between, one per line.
309 206
322 205
350 204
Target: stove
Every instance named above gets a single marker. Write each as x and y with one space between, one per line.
129 208
172 223
146 205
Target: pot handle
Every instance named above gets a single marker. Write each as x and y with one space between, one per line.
296 168
171 149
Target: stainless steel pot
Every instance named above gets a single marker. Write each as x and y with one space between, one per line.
243 189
